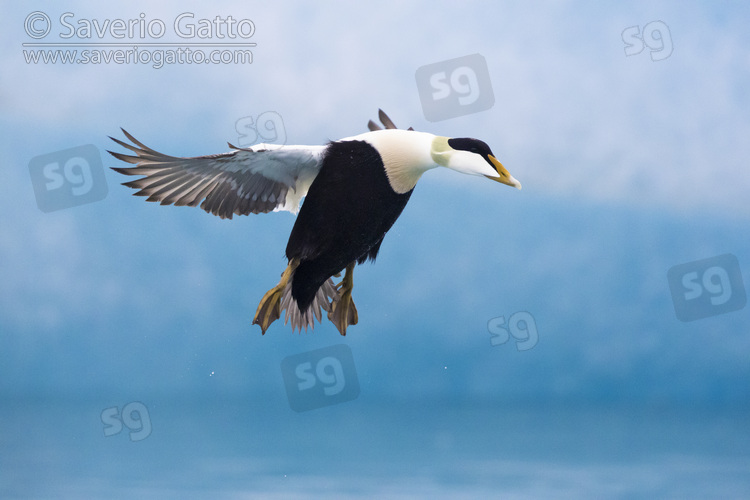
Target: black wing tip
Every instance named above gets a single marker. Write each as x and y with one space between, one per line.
126 133
130 137
137 146
131 147
114 153
121 170
125 158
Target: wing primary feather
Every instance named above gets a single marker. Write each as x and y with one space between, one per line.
196 194
141 145
385 120
185 188
242 181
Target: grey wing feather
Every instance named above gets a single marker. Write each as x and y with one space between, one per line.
259 179
385 120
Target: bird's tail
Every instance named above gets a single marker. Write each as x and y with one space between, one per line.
304 319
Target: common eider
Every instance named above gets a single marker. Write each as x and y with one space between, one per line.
354 189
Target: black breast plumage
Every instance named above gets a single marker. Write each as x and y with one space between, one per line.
346 213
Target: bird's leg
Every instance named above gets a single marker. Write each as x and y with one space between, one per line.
343 312
269 309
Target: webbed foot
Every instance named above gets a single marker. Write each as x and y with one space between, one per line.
343 311
269 309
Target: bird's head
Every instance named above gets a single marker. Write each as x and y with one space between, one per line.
470 156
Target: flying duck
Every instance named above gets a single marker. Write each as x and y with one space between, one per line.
354 189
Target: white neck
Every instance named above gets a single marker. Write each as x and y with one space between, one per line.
406 155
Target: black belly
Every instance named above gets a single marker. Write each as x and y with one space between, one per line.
346 213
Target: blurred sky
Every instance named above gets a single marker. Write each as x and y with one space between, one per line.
629 166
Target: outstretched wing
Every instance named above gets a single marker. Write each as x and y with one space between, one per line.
387 122
259 179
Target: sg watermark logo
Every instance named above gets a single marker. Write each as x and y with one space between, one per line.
655 36
707 287
320 378
68 178
135 417
521 326
456 87
268 128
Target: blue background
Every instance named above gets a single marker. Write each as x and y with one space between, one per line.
629 167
